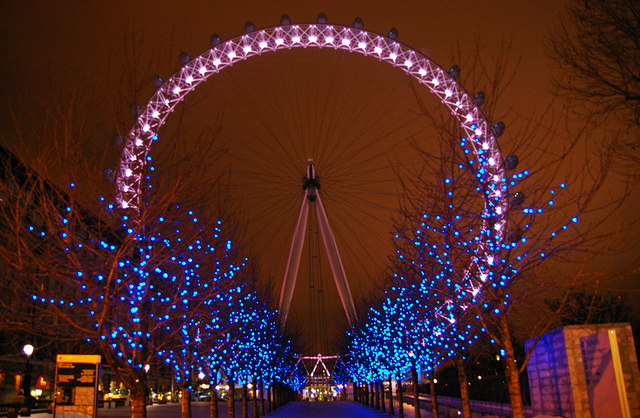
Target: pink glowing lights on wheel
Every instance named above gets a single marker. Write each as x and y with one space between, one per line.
478 132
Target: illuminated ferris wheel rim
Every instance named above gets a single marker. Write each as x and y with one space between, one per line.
478 131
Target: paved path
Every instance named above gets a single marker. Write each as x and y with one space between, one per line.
333 410
346 409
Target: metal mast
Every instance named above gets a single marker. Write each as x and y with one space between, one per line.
311 187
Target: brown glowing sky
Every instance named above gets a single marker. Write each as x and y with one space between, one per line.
88 48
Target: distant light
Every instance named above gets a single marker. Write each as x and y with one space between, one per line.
27 350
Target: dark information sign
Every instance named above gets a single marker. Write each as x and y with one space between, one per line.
77 374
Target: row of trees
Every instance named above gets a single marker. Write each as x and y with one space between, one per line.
162 283
447 291
168 283
464 273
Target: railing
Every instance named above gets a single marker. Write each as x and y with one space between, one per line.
6 407
117 403
13 408
449 407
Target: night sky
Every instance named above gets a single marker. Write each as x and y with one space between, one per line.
88 52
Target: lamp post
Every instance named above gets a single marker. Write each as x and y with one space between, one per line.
26 383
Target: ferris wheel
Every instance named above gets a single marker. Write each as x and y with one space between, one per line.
262 172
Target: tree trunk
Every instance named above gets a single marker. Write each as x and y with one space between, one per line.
383 406
376 389
276 395
255 400
464 387
367 397
400 403
262 411
138 401
185 405
512 373
390 397
434 398
232 394
245 401
372 391
269 403
213 405
416 399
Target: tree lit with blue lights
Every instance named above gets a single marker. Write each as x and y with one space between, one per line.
166 283
471 257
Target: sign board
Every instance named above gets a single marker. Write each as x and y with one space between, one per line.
603 375
76 386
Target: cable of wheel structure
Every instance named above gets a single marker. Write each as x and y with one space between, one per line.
316 278
293 263
311 288
335 262
323 308
310 129
372 256
477 130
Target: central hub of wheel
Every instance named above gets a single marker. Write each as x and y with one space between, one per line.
311 183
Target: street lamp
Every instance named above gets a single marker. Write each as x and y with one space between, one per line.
26 383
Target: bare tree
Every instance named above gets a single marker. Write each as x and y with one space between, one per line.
552 214
597 307
82 271
598 50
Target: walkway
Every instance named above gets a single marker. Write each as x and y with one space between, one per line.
291 410
334 410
